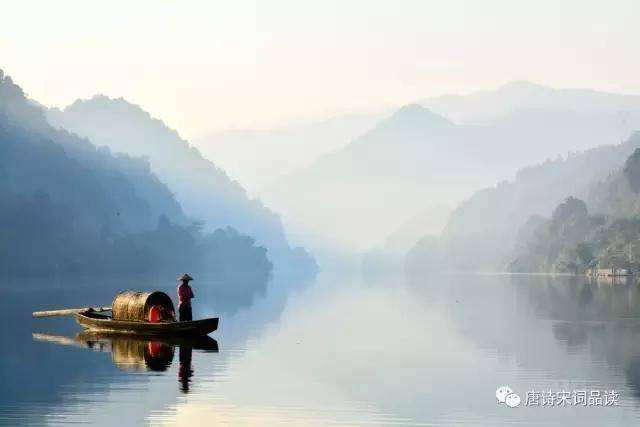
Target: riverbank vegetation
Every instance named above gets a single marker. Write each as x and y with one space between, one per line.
602 233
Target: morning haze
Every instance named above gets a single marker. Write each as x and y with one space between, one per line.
250 64
411 212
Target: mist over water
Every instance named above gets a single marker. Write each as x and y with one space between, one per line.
380 318
343 350
391 226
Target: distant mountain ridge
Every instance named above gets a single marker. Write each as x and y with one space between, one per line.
482 231
204 190
258 158
424 154
488 105
383 178
543 121
69 208
134 192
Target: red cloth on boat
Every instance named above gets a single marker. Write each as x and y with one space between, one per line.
155 314
185 293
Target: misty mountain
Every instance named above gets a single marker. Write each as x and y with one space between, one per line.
432 222
417 158
544 121
360 193
119 186
68 207
203 190
257 159
602 233
391 255
517 97
482 231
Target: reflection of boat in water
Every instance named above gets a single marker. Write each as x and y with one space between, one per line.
204 343
137 353
134 355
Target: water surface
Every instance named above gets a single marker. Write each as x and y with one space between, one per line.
345 351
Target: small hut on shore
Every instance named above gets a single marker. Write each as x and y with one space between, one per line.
608 272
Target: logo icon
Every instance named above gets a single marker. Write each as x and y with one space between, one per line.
505 395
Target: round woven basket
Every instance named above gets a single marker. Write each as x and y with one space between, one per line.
134 305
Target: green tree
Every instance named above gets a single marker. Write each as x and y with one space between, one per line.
632 170
584 253
572 207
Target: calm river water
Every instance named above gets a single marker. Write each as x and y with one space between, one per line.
345 351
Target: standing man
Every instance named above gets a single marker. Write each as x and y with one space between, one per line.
185 293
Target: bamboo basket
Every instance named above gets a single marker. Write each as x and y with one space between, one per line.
134 305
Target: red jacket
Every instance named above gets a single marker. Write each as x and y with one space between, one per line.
185 293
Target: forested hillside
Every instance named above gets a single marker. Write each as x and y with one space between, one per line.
482 232
67 206
202 189
603 233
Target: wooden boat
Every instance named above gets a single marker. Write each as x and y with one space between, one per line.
95 321
130 314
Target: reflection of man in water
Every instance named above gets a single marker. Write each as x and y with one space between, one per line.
185 294
184 371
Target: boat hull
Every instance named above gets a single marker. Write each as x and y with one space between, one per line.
102 323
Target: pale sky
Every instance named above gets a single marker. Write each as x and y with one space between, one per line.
211 65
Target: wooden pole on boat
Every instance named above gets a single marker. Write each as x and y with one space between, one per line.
67 311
